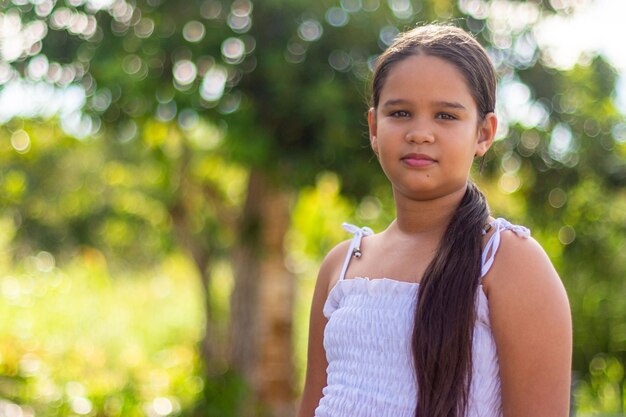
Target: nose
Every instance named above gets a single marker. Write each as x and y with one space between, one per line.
420 133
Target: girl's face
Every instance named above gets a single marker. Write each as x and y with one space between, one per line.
426 130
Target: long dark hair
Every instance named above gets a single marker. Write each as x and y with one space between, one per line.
445 311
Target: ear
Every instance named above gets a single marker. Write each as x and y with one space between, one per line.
486 133
373 127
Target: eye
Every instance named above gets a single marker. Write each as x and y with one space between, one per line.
445 116
400 113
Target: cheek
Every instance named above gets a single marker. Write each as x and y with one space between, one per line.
468 138
461 151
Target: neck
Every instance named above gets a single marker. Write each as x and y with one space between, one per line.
415 217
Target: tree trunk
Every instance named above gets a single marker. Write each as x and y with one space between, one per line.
212 346
262 300
244 335
209 346
277 295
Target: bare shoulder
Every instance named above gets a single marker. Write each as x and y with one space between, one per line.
522 277
330 269
531 324
521 264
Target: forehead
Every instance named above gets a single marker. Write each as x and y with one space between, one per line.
425 77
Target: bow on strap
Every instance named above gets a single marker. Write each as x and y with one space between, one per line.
494 241
355 244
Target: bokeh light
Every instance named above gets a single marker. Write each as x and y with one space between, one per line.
18 40
211 9
230 103
131 64
37 67
184 72
515 105
27 99
370 5
530 140
44 8
144 28
509 183
127 130
162 406
166 111
310 30
387 34
296 51
194 31
619 132
44 262
340 60
188 119
213 83
101 100
560 141
557 198
510 163
233 50
402 9
351 6
7 73
241 8
239 18
336 16
20 141
81 405
567 235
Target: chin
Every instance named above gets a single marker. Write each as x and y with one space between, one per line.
432 193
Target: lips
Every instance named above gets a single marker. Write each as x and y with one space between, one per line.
418 160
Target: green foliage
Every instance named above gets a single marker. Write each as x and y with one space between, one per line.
63 194
223 393
79 341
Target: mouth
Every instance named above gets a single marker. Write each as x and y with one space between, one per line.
417 160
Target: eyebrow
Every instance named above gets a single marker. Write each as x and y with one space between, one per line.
448 104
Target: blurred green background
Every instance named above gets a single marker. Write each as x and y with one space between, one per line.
173 172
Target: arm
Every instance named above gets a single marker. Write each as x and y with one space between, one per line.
532 328
316 357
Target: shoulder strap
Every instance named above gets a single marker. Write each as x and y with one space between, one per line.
493 244
355 245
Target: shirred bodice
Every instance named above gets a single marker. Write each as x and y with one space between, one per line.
368 345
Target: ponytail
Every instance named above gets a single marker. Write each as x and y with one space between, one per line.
445 315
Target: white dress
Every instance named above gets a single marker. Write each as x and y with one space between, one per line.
368 344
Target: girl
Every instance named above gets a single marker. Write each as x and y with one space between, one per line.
442 327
